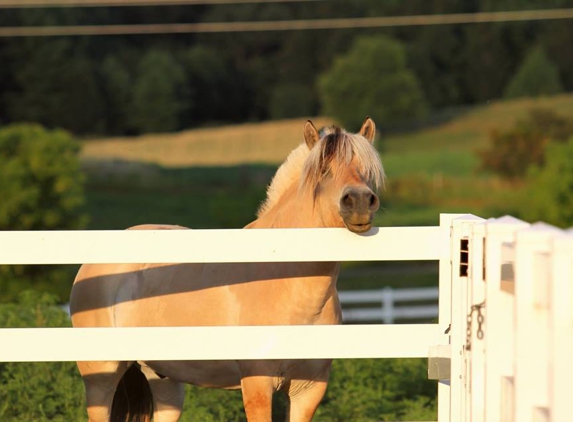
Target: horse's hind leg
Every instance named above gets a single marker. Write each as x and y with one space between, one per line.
100 381
306 389
168 396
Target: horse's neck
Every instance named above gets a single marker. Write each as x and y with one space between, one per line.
294 210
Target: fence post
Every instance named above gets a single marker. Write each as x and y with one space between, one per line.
462 227
561 328
475 352
444 310
388 305
531 352
498 326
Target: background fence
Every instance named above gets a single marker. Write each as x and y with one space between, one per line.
501 350
389 302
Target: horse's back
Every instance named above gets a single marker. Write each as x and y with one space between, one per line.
97 287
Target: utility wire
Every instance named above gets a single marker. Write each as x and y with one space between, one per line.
287 25
20 4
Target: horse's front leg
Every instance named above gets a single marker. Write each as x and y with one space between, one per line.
304 400
306 389
257 387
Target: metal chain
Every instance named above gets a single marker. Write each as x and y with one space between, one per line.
480 320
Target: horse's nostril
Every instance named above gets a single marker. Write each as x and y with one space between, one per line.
374 202
347 200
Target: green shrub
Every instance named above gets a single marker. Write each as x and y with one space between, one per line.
40 392
41 188
366 390
536 76
551 187
372 79
510 153
371 390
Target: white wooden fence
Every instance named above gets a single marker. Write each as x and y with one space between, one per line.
515 362
388 300
502 346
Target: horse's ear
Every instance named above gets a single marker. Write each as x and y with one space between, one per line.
368 129
311 136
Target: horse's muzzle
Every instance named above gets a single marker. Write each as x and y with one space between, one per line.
357 208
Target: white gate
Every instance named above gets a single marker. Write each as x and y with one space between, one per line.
516 362
511 283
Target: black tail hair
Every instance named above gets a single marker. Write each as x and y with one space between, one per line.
133 400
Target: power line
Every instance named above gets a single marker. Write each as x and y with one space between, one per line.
288 25
20 4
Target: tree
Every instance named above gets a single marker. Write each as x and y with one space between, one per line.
212 92
551 187
536 76
41 187
156 103
56 91
372 78
117 85
510 153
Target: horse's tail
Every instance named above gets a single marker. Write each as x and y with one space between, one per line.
133 400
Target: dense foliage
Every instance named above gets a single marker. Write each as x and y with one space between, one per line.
156 105
365 390
372 79
511 152
41 187
551 184
38 391
101 85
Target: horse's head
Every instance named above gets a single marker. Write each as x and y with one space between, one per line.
344 171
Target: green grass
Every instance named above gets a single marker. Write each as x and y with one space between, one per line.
111 210
447 162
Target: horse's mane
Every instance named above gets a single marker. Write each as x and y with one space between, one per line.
310 166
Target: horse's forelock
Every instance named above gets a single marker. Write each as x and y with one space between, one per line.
339 146
310 167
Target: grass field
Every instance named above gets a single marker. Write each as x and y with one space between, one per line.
270 142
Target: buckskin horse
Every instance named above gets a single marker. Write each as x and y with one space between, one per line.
330 180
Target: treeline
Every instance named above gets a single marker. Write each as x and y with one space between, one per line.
113 85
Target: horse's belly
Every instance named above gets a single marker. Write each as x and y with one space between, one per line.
217 374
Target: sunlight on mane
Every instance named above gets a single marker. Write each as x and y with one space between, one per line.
287 174
308 167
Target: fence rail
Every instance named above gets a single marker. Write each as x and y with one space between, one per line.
176 246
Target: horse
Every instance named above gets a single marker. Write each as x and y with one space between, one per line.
330 180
